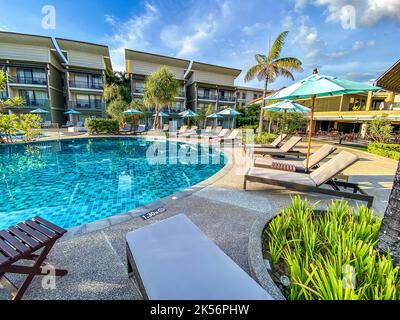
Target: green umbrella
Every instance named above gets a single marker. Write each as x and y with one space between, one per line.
188 114
163 114
132 112
39 111
72 112
215 116
230 113
318 85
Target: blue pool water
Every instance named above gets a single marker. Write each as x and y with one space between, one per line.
73 182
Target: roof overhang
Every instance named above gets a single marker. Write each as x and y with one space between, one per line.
26 39
133 55
390 79
200 66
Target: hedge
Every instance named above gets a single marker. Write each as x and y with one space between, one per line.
387 150
107 126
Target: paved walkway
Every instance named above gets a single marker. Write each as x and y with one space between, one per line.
223 211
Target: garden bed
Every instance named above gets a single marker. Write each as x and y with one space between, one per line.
328 255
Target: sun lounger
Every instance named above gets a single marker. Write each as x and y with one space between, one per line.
234 135
296 165
21 243
126 128
68 124
314 182
46 124
191 132
140 129
223 133
274 144
284 150
173 260
166 127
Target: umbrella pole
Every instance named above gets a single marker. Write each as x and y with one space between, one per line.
310 131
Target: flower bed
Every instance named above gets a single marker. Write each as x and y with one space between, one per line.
329 255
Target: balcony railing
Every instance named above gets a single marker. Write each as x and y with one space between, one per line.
86 104
207 97
227 98
85 85
36 80
3 95
42 103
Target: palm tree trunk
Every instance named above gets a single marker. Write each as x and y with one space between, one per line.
260 125
389 235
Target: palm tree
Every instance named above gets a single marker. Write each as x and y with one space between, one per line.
271 66
160 91
389 234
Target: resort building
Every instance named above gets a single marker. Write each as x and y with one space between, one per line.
85 76
244 95
34 72
139 65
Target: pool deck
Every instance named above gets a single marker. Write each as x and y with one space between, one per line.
96 258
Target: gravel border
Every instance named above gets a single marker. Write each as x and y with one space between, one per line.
258 268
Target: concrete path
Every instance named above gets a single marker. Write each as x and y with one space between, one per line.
223 211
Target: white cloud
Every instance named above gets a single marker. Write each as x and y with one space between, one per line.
190 36
361 44
255 28
3 28
130 34
368 12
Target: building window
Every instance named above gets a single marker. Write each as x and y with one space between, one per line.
243 95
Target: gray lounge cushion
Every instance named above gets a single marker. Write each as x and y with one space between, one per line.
285 176
319 155
290 144
333 167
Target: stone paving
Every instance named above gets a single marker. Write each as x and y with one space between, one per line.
95 255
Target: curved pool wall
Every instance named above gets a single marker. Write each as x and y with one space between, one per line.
76 181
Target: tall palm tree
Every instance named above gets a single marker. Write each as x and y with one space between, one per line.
271 66
160 90
389 234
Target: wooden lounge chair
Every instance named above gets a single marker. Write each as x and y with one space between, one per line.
274 144
285 150
68 124
223 133
182 130
296 165
21 243
315 181
234 135
173 260
191 132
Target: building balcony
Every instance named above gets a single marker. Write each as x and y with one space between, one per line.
227 99
207 97
85 85
365 115
86 104
35 80
35 103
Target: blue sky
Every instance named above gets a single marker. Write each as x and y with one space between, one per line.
355 39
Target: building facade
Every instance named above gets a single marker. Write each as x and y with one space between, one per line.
244 95
34 72
52 79
85 76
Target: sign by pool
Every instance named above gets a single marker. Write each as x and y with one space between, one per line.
153 213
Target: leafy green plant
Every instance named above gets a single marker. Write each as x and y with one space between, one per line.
380 129
330 255
106 126
264 138
8 126
388 150
29 124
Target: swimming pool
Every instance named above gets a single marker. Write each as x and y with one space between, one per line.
73 182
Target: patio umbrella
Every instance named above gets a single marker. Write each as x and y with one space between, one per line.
39 111
188 114
132 112
71 113
230 113
318 85
215 116
287 106
162 115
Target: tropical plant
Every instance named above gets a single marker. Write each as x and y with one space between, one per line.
330 255
271 66
380 129
160 90
119 80
29 124
116 108
107 126
249 116
8 126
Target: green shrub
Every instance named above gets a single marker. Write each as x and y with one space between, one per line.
330 255
106 126
387 150
264 138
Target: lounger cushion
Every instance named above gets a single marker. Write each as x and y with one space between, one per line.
319 155
284 176
290 144
333 167
278 140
